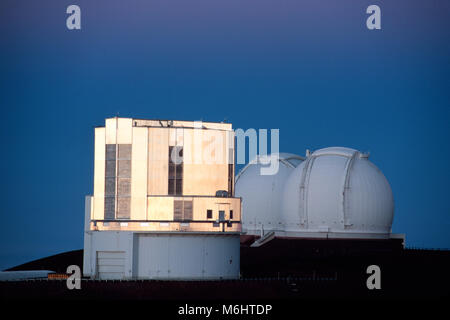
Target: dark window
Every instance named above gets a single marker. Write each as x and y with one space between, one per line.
110 182
124 168
123 208
175 170
110 187
187 213
124 152
123 187
171 171
208 214
182 210
221 215
111 152
178 210
231 214
117 181
110 170
179 187
230 180
171 186
110 208
123 181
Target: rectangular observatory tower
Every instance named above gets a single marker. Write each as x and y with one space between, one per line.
163 205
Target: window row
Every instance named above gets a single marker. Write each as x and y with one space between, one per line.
209 215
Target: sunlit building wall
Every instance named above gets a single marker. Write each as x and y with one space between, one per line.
163 204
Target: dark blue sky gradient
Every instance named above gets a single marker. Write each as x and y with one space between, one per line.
309 68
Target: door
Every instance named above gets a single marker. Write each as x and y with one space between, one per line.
224 211
110 265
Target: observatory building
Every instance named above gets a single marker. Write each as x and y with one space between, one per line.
163 205
332 193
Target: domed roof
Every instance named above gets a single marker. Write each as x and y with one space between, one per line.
289 159
338 190
262 194
335 190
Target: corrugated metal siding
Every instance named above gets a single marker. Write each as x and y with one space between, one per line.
110 182
124 181
110 187
124 187
178 210
110 170
182 210
124 152
111 152
187 210
111 264
124 168
110 207
123 208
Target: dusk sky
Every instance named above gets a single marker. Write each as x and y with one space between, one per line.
310 68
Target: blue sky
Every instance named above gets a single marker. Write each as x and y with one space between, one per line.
310 68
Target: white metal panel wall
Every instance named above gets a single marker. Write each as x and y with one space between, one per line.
222 257
167 256
127 255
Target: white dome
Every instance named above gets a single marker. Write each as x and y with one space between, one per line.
335 190
262 194
338 190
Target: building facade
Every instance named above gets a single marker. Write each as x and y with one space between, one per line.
163 205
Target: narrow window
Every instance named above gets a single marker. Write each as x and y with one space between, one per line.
172 173
110 182
187 210
231 214
123 181
117 181
208 214
178 210
230 180
175 170
179 187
